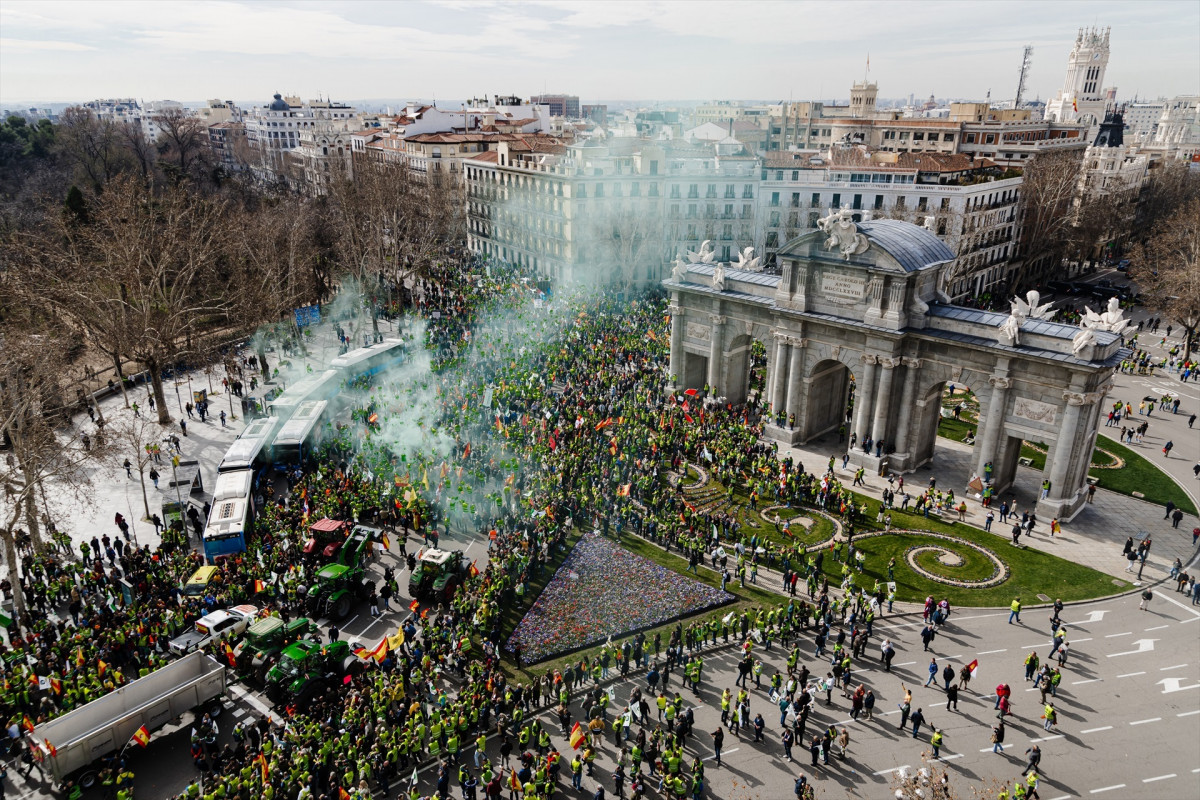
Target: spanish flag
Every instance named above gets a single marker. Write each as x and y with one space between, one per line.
343 794
56 685
513 783
381 650
101 667
604 424
27 723
230 656
414 605
623 490
51 748
259 587
387 545
141 736
79 659
473 570
266 772
577 736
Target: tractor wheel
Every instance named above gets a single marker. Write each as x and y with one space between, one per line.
309 693
352 666
264 668
341 608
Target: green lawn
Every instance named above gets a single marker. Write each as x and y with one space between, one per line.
958 430
1031 570
1140 475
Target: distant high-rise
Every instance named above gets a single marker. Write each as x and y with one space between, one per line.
561 105
1082 97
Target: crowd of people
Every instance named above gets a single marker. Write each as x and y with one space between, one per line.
520 419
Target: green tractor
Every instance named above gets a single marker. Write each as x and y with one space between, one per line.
307 668
437 575
340 584
259 649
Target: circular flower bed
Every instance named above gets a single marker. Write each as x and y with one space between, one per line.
935 555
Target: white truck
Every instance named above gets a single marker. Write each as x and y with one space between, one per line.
71 746
225 623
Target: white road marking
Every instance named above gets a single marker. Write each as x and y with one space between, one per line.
1062 797
1188 713
950 758
905 664
1115 635
241 693
889 771
1144 721
1159 778
1157 628
723 753
1089 680
1108 788
1130 674
1031 646
1048 738
1177 666
1097 730
1174 602
1077 641
989 652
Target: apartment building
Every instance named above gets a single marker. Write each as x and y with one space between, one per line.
969 203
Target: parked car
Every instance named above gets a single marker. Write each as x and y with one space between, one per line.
226 623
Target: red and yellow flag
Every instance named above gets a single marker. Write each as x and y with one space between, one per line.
27 723
387 544
56 685
79 659
473 570
141 736
577 736
53 750
343 794
266 772
623 490
414 605
259 587
101 667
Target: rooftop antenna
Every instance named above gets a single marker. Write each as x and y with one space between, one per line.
1026 62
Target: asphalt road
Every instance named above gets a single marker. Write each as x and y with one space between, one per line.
1129 707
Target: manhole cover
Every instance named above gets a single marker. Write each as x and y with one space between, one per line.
1043 598
1118 583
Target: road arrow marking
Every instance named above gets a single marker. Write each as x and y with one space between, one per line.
1093 616
1173 685
1144 646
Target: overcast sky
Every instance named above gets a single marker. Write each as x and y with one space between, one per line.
610 50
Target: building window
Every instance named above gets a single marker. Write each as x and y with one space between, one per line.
693 191
857 201
748 191
837 200
990 139
675 192
774 198
945 204
816 200
878 201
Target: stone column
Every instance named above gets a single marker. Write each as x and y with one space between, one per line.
865 400
988 437
779 374
883 398
907 409
714 353
677 345
1065 445
795 376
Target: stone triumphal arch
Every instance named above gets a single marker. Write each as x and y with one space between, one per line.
862 300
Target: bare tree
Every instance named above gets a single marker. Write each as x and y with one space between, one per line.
1168 269
139 276
94 146
1168 188
621 238
183 141
1047 194
142 151
45 446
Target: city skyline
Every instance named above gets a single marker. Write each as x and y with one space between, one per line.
647 51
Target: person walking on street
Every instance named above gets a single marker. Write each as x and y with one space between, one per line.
917 718
1146 596
787 737
1033 757
998 737
952 696
933 671
1015 611
718 737
935 741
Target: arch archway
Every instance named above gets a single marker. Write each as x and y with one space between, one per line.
827 396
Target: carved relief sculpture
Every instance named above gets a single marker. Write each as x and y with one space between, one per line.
705 254
718 280
746 261
1111 320
843 233
679 271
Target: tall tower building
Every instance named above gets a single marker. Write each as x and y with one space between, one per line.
862 99
1082 97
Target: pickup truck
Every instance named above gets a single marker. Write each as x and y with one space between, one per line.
227 623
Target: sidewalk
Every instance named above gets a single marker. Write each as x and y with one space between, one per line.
1095 538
